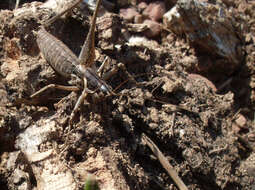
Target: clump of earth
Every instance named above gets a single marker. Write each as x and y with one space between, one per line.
197 107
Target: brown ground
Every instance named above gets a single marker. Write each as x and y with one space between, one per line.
205 129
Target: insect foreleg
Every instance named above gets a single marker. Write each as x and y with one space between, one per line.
81 99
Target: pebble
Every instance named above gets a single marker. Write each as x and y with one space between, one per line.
239 123
154 28
141 6
155 10
128 14
200 77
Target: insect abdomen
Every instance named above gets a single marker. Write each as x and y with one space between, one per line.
58 55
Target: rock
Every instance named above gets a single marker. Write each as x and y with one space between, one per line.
172 20
251 136
205 80
208 27
153 30
141 6
239 123
241 120
155 10
128 14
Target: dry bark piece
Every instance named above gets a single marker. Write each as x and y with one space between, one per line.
19 170
49 171
207 26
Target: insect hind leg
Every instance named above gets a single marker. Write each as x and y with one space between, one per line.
61 87
53 19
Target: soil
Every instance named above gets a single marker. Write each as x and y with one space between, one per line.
198 111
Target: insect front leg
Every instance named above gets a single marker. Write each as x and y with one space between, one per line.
80 100
117 68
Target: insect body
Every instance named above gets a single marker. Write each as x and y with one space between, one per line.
64 62
60 58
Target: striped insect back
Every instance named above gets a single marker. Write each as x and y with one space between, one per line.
63 60
57 54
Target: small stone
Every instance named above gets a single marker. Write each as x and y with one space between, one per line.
235 128
154 29
142 6
205 80
155 10
128 14
241 121
251 137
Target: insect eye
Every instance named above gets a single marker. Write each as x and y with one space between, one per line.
104 88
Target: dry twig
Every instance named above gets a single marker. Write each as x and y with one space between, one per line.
164 162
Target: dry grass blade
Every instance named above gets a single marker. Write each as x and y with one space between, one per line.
164 162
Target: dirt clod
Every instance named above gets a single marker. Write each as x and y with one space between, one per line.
196 104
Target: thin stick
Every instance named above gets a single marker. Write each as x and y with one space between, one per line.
17 4
164 162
